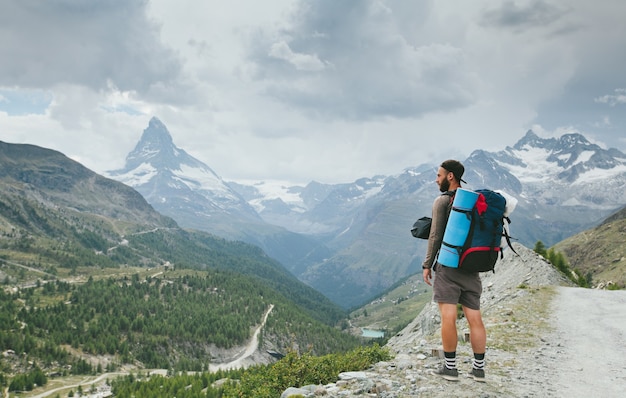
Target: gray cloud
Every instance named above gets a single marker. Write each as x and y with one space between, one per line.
300 90
522 16
581 42
89 43
361 60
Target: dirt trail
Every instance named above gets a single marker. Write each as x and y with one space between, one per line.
590 333
545 338
250 349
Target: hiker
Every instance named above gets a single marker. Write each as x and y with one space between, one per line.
451 285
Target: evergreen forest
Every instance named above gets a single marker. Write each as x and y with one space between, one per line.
94 281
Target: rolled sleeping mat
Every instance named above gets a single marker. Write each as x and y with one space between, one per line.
457 228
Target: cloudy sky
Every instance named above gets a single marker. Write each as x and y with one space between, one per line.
326 90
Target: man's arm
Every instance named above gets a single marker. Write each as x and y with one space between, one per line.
437 228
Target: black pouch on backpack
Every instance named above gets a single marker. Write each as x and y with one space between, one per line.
481 259
421 228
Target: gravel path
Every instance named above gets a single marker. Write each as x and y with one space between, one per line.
252 347
545 338
590 344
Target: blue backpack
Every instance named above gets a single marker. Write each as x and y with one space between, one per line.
481 249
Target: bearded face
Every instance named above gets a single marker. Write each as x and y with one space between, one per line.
444 186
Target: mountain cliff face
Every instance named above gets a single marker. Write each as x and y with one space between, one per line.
351 241
170 178
184 188
56 213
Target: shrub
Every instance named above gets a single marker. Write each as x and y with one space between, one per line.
299 370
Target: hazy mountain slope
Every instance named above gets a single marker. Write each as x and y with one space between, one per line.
53 179
186 189
55 213
350 241
600 251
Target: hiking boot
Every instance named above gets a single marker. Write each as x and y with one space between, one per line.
448 374
478 374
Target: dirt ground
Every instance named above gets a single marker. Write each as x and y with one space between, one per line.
585 355
545 338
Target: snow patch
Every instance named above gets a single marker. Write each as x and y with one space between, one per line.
595 175
585 156
536 168
139 176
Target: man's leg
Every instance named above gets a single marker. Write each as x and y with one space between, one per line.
449 340
478 339
448 326
478 334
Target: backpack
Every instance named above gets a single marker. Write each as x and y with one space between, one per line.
487 218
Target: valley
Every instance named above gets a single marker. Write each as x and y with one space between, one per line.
351 241
393 310
96 281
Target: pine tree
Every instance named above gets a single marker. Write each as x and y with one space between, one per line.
540 248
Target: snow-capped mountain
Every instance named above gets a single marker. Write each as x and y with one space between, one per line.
564 185
182 187
568 171
351 241
580 173
178 185
313 209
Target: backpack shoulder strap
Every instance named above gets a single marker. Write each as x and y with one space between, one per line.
506 235
450 194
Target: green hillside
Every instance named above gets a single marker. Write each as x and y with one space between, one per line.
395 308
600 251
94 279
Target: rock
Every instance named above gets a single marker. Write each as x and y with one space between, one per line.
407 375
296 392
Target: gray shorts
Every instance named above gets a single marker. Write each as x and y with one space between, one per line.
451 286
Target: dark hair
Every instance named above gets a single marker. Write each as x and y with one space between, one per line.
455 167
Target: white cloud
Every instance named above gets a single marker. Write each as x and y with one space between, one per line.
613 99
376 68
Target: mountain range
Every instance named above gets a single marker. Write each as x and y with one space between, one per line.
178 185
60 222
59 219
351 241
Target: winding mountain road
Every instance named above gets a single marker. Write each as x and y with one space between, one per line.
252 346
238 362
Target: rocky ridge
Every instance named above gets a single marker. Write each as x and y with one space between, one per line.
516 307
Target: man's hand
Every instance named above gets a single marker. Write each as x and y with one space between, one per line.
428 276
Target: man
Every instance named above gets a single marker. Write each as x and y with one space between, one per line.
452 286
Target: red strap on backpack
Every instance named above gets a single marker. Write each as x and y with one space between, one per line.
481 204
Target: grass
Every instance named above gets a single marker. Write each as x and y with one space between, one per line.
394 310
523 322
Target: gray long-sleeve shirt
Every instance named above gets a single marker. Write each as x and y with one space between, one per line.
441 210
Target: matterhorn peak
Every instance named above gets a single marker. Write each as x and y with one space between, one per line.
155 147
176 183
156 133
